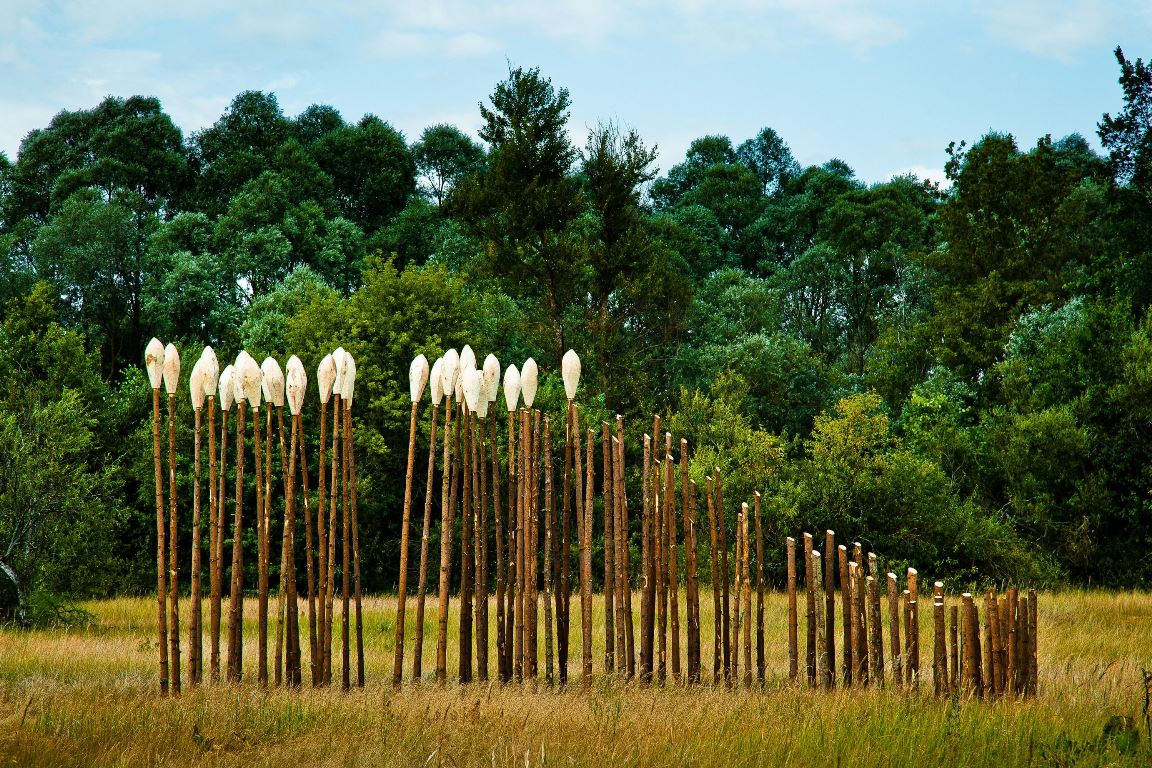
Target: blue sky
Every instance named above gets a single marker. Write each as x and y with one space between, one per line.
883 85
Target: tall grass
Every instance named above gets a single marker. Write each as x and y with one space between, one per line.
87 696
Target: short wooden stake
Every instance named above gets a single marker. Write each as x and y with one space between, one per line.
793 638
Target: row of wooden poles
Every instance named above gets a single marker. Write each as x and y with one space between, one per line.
501 520
331 547
997 661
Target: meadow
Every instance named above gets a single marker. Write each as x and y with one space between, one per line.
87 695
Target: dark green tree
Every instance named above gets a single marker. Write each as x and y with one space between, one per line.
444 155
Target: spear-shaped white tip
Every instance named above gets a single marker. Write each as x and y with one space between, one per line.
211 368
272 382
459 391
325 378
436 379
450 371
296 384
470 382
529 379
467 358
349 388
511 387
154 362
171 368
491 381
227 388
417 377
251 378
570 371
339 356
196 385
483 403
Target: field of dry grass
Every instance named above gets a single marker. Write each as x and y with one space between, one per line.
88 696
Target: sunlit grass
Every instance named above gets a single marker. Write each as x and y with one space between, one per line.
88 696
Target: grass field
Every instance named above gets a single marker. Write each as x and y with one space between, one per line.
88 696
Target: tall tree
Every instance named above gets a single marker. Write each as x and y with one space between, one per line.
770 158
444 155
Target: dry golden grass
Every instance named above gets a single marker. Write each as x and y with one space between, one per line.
88 696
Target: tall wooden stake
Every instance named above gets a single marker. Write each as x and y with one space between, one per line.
216 523
586 589
894 631
609 552
810 609
830 608
715 574
172 358
417 379
154 361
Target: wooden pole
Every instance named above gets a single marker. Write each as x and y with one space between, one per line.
793 635
894 631
480 465
216 525
195 636
645 562
357 594
523 572
467 565
309 557
760 660
346 564
725 576
173 551
672 561
417 375
624 635
1033 644
283 632
425 534
691 565
810 611
821 626
334 483
564 614
324 383
445 540
161 546
746 614
533 573
914 629
609 553
830 608
236 596
296 381
261 550
860 648
586 595
939 648
549 541
585 588
501 565
991 646
954 652
875 627
845 613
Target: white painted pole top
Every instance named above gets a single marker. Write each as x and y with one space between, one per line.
171 368
417 377
154 362
570 371
529 380
511 387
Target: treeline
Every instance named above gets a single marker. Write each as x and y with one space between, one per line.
960 375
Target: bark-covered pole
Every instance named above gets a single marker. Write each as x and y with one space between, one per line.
645 558
246 383
529 380
325 383
875 626
586 594
692 564
570 373
830 608
514 615
673 577
793 618
171 380
154 363
549 540
894 630
196 391
810 609
349 560
914 630
746 613
309 559
418 373
296 384
470 387
939 647
489 391
335 481
211 380
273 390
759 589
436 390
726 603
255 398
714 573
450 374
226 395
609 551
845 613
623 582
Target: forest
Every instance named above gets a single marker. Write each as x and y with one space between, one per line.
959 375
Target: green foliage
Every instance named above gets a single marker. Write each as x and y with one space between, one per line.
444 155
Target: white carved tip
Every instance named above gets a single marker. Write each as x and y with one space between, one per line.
570 372
938 584
340 357
227 387
891 575
349 384
529 380
756 494
418 373
296 384
450 372
154 362
436 379
467 357
458 391
511 387
842 547
272 382
326 378
196 385
790 540
482 402
171 368
211 367
967 595
912 571
249 379
491 381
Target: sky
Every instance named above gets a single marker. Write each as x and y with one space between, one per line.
884 85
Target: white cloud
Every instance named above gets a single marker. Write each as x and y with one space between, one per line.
1053 29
